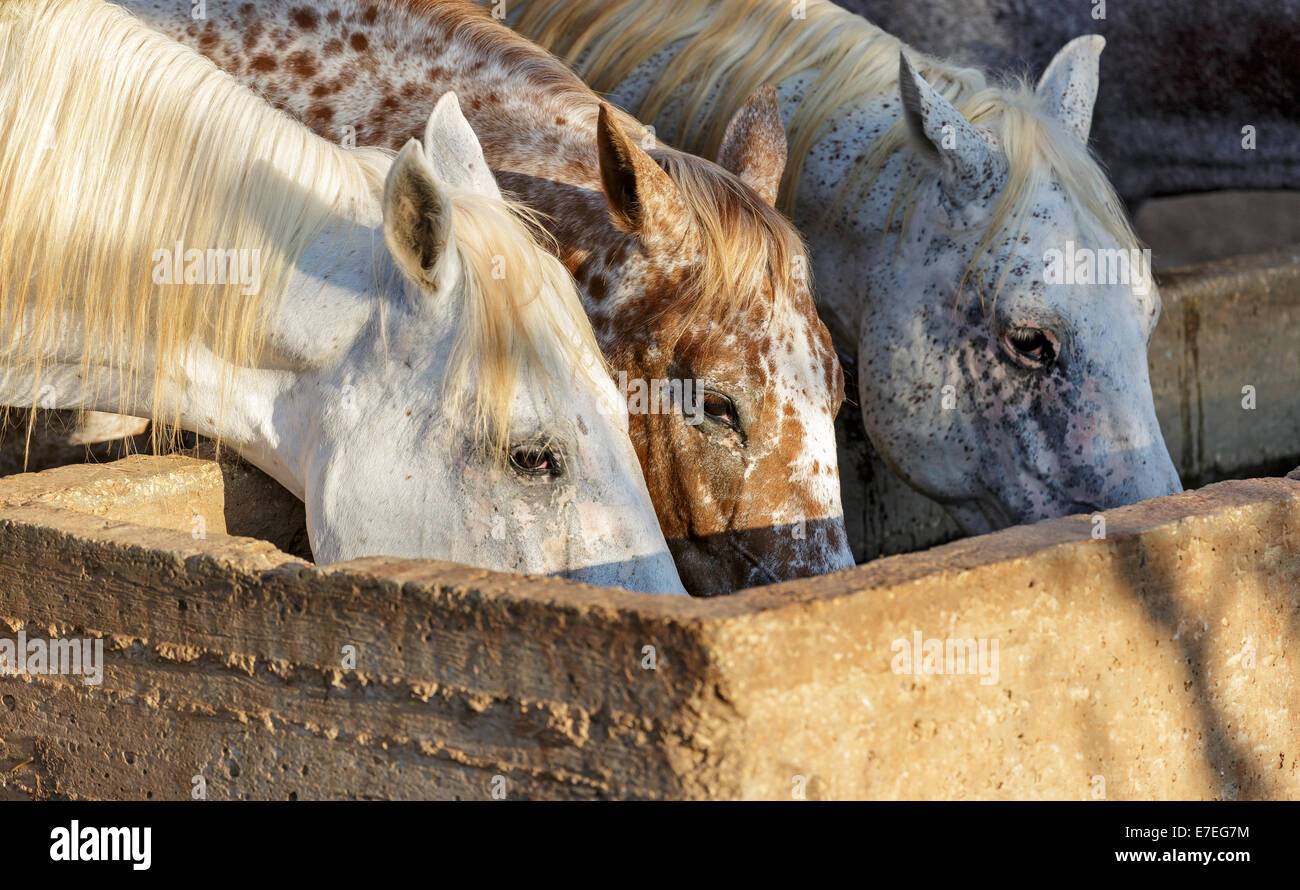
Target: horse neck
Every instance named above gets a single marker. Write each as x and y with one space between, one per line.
263 412
243 419
535 120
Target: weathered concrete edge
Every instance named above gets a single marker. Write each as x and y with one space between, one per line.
813 689
718 644
253 556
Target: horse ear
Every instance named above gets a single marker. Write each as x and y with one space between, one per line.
417 216
454 149
754 146
641 196
1068 88
970 168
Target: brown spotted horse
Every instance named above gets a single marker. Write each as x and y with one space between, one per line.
697 288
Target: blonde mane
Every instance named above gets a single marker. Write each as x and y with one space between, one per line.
117 142
746 243
500 332
732 47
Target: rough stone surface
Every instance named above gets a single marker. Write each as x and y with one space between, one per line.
174 491
1157 662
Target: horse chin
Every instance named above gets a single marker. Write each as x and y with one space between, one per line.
655 573
715 565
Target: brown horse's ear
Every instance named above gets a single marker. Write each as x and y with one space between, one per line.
754 146
641 196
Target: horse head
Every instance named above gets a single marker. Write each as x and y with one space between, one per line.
1011 328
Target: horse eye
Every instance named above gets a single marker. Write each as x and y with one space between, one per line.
531 460
721 409
1031 346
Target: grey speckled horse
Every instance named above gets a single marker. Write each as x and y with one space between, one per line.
1180 79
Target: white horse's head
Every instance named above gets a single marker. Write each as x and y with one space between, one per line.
1027 396
386 337
482 426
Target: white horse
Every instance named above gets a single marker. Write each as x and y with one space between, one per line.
382 336
966 245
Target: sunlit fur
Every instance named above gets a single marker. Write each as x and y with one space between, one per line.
740 45
497 242
750 245
746 243
94 179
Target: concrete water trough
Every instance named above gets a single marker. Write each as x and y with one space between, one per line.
1152 656
1158 660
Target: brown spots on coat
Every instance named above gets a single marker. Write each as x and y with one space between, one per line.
319 116
252 34
347 76
416 92
263 63
359 42
332 48
302 64
333 17
572 257
305 17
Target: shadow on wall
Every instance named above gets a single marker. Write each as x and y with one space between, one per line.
1184 230
49 446
1151 574
256 506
